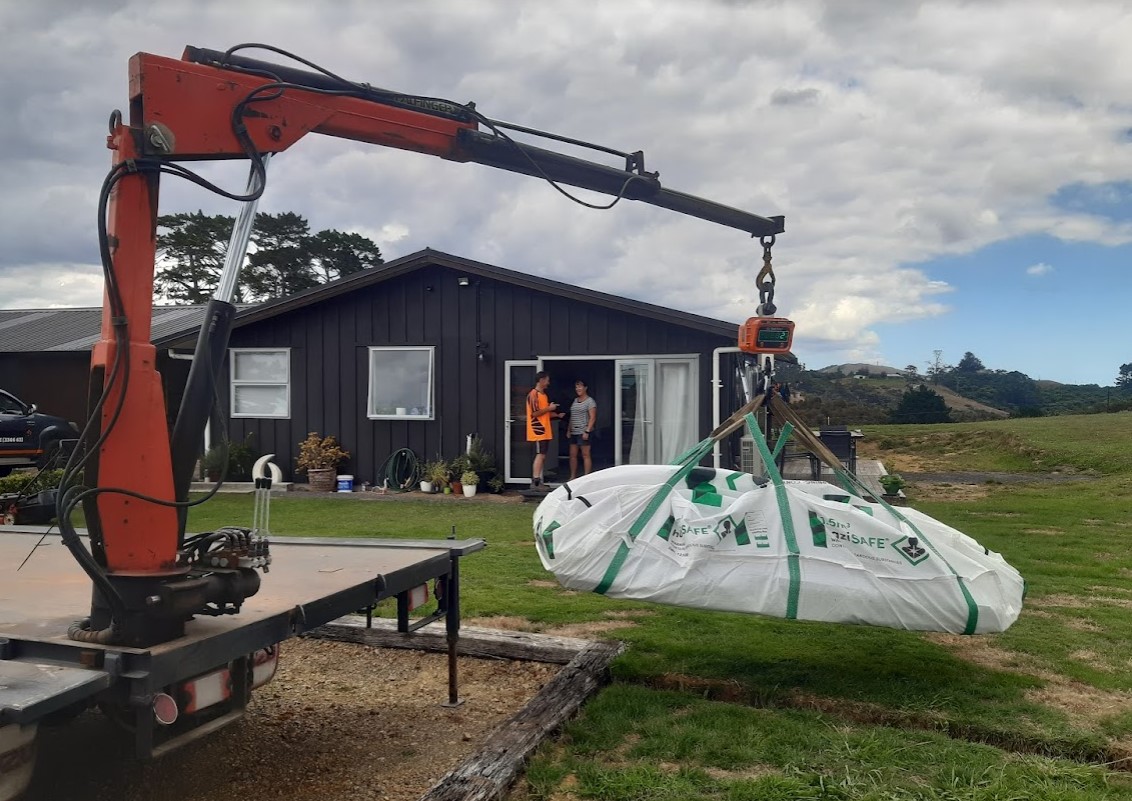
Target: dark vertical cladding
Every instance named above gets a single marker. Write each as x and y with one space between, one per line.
329 343
56 382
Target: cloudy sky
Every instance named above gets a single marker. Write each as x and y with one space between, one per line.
955 175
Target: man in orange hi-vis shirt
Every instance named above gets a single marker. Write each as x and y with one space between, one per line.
540 412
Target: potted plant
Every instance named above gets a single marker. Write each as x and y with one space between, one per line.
459 467
481 460
497 484
435 476
892 483
214 462
319 458
469 479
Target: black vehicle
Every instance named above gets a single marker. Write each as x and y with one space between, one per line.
28 438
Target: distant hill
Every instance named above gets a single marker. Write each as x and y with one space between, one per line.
858 392
854 368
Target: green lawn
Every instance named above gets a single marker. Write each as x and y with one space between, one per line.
716 705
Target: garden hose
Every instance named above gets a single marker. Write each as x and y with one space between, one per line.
400 472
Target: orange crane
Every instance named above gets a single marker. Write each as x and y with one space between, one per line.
152 585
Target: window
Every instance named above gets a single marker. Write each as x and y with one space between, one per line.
400 383
261 382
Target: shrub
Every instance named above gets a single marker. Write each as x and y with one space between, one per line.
892 483
319 453
24 484
437 472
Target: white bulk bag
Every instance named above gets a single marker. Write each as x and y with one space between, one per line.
708 539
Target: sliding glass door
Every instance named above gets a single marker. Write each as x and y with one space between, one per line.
657 409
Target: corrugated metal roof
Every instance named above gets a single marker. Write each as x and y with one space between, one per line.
38 330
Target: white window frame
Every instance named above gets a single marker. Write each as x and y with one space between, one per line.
431 350
233 383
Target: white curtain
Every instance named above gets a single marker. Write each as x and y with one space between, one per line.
676 416
639 450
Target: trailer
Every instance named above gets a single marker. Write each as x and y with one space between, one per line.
174 692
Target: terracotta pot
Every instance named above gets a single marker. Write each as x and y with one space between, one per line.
457 487
323 480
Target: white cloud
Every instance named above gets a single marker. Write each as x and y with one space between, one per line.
1039 269
888 135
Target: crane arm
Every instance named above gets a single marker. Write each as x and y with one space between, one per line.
187 106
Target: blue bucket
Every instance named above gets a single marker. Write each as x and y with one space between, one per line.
345 483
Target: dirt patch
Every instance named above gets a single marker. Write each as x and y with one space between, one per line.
591 630
982 652
339 721
543 584
948 492
749 772
1075 602
1085 706
1044 532
502 622
1092 659
1078 624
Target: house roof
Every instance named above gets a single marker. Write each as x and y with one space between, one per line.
428 257
76 330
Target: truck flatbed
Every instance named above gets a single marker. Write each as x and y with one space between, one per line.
312 581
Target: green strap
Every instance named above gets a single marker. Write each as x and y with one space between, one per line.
783 438
548 537
793 559
857 487
689 460
972 607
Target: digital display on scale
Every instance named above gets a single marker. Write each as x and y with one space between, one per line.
773 336
766 335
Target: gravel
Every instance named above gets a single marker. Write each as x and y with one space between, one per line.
339 721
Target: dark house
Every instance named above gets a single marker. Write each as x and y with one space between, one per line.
430 348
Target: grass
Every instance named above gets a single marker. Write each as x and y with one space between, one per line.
1082 443
728 706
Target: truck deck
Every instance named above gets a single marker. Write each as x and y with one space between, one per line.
311 582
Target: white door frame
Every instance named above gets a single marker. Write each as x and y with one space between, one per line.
507 365
655 358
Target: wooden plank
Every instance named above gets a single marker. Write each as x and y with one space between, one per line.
474 641
487 775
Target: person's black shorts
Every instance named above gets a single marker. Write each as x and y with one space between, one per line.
578 439
542 445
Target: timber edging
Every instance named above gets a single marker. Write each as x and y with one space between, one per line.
488 774
476 642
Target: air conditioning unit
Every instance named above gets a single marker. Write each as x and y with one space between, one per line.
749 459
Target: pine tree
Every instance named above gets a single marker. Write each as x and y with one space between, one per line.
970 363
921 405
280 265
335 254
1124 380
190 253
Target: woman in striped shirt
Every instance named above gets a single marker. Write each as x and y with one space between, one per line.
583 418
